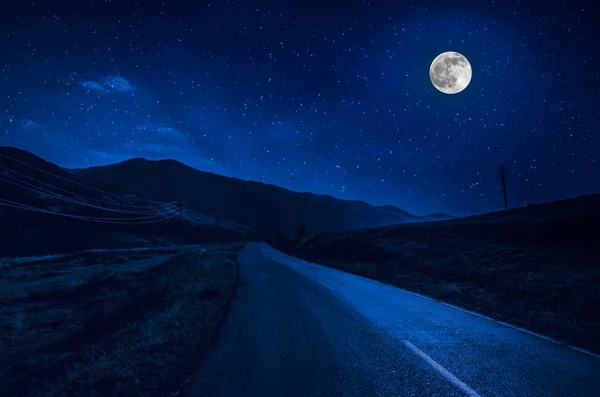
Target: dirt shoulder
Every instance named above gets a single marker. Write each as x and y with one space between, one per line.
543 275
127 326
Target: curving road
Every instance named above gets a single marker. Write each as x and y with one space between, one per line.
300 329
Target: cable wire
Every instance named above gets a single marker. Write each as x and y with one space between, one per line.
68 199
13 204
79 183
147 208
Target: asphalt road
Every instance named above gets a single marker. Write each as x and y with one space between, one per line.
300 329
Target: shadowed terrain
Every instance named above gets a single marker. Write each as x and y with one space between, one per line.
127 324
71 216
537 267
134 315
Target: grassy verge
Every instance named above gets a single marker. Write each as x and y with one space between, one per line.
121 326
542 275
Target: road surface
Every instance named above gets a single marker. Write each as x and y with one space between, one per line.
300 329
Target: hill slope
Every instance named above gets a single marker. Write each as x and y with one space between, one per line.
255 204
47 210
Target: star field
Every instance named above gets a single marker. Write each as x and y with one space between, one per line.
324 96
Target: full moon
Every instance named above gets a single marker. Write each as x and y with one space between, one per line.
450 72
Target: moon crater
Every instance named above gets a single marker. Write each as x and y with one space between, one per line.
450 72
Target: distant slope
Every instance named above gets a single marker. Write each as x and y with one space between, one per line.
578 207
255 204
573 221
439 217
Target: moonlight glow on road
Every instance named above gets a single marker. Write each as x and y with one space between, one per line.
450 72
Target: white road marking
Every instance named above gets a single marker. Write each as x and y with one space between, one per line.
416 294
327 285
447 374
579 349
527 331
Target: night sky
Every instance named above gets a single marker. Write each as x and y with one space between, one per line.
324 96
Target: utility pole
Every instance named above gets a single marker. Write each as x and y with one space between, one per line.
503 186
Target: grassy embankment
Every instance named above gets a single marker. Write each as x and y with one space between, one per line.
541 274
112 324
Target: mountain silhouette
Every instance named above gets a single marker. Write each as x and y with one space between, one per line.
258 205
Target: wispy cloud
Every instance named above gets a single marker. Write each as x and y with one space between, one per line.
31 125
123 127
92 85
155 151
161 131
108 84
169 132
118 84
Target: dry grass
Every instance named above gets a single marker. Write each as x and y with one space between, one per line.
126 325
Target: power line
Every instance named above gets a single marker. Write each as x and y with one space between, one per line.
24 185
155 211
195 218
26 206
13 204
147 208
81 184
